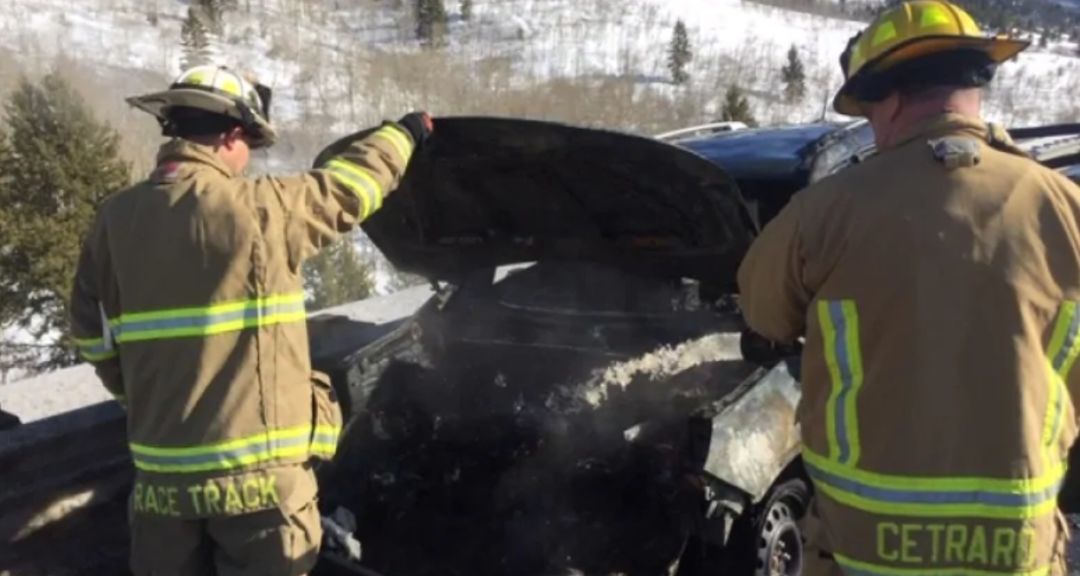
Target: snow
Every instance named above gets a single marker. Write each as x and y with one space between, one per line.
302 48
40 397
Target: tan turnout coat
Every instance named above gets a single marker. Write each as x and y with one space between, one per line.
936 286
189 302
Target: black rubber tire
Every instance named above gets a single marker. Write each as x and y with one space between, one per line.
769 541
754 537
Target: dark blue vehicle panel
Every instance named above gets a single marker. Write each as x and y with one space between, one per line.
760 153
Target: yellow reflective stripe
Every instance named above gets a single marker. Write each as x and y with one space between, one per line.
952 483
935 497
1061 355
282 443
227 464
1065 344
854 567
213 329
936 510
366 187
209 320
828 333
1054 415
840 331
97 356
94 349
266 437
851 316
884 33
221 308
398 139
358 188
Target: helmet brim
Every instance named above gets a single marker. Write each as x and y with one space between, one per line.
997 49
261 135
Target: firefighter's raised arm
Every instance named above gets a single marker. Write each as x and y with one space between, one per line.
348 185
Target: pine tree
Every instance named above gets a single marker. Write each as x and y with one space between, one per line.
794 76
466 9
202 30
57 164
197 42
213 12
338 275
737 107
679 53
430 21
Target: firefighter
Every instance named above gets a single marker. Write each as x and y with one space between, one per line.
188 301
936 288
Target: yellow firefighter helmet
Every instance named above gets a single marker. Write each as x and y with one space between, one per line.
932 32
218 90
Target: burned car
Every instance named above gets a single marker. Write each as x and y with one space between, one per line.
577 397
574 399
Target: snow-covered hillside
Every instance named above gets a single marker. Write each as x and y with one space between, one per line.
338 65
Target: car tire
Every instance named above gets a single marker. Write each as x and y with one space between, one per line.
769 541
765 541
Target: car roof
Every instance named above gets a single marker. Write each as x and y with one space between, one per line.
779 152
808 152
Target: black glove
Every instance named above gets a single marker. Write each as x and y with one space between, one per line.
760 350
419 125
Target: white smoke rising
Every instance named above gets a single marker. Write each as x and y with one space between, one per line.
656 366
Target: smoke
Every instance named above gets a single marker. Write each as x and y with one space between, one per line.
656 366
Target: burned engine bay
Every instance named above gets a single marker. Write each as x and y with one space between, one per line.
556 420
590 413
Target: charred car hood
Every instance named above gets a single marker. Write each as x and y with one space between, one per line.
484 192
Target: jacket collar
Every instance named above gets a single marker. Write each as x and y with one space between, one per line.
183 151
948 124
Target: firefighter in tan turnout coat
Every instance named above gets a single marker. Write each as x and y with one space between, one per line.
188 301
936 286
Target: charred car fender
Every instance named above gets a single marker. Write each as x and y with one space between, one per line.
756 437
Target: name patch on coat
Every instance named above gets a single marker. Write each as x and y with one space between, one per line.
1001 547
213 497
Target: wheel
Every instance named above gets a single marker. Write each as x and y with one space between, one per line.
765 541
777 538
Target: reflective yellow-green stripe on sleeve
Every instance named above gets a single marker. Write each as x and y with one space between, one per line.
358 180
401 142
95 349
839 322
1061 355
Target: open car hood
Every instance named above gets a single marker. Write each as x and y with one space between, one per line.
485 192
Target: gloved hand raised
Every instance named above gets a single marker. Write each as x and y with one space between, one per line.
419 125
